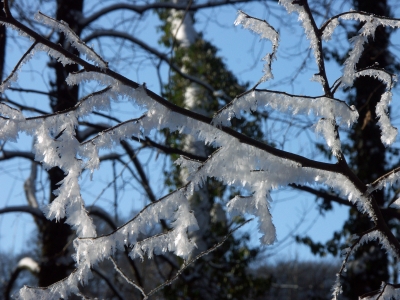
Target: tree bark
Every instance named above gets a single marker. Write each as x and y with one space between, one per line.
368 157
55 236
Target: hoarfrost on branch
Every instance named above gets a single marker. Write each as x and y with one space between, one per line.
253 167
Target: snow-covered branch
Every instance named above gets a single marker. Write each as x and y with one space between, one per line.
72 38
251 166
313 34
266 31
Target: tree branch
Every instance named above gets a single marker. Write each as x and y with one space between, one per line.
131 282
35 212
319 51
24 107
322 194
162 56
97 211
167 150
109 283
140 9
138 166
25 263
304 162
190 262
7 154
6 81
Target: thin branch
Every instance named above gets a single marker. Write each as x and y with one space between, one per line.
138 215
143 178
272 92
29 91
20 62
319 51
162 56
379 293
354 13
167 150
187 264
374 185
72 38
106 116
7 8
97 211
109 283
322 194
26 263
65 111
92 140
352 248
140 9
131 282
24 107
101 213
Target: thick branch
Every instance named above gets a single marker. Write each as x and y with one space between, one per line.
35 212
6 154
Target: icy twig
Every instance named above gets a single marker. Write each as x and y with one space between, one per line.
188 263
322 106
111 129
313 35
389 178
389 132
337 288
72 38
13 75
361 17
373 234
266 31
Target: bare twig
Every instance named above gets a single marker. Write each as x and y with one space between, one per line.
109 283
187 264
131 282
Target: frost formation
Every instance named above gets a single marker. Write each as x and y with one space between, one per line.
252 167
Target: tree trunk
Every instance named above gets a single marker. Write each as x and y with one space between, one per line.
368 157
55 236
